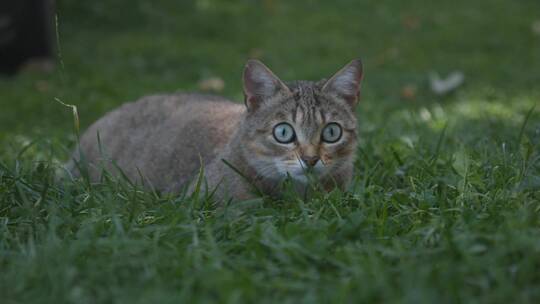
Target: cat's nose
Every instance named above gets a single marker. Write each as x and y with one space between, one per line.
310 160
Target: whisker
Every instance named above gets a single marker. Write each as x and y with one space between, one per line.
304 168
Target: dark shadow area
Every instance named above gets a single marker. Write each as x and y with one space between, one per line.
26 34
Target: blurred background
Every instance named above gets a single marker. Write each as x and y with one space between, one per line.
476 61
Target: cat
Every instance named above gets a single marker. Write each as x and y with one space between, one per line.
282 132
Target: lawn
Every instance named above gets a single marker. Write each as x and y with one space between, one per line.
445 205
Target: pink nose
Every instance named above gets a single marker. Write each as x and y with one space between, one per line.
310 160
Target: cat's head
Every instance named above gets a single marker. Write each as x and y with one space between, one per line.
300 127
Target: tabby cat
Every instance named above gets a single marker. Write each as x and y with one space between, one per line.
292 132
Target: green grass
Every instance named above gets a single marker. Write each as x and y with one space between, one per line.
445 206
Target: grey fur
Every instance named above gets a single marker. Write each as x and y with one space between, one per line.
165 137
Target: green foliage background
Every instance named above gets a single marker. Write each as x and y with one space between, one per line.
445 205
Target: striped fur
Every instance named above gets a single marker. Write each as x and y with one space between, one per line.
164 137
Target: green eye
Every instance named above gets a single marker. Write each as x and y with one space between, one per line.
331 133
284 133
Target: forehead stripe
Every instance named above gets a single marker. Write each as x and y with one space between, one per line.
294 112
323 118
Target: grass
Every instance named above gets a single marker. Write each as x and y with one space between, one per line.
445 206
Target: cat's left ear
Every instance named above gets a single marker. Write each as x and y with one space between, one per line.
260 84
346 83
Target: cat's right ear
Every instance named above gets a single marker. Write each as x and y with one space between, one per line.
260 84
346 82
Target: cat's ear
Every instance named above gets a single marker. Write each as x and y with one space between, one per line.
346 82
260 84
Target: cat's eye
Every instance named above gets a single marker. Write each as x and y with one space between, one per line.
331 133
284 133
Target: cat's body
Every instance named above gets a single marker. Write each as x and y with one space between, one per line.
158 133
164 138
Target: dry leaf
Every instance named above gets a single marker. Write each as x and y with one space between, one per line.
410 22
441 86
408 92
256 53
214 84
42 85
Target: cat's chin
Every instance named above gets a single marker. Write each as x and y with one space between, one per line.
303 176
300 178
300 174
